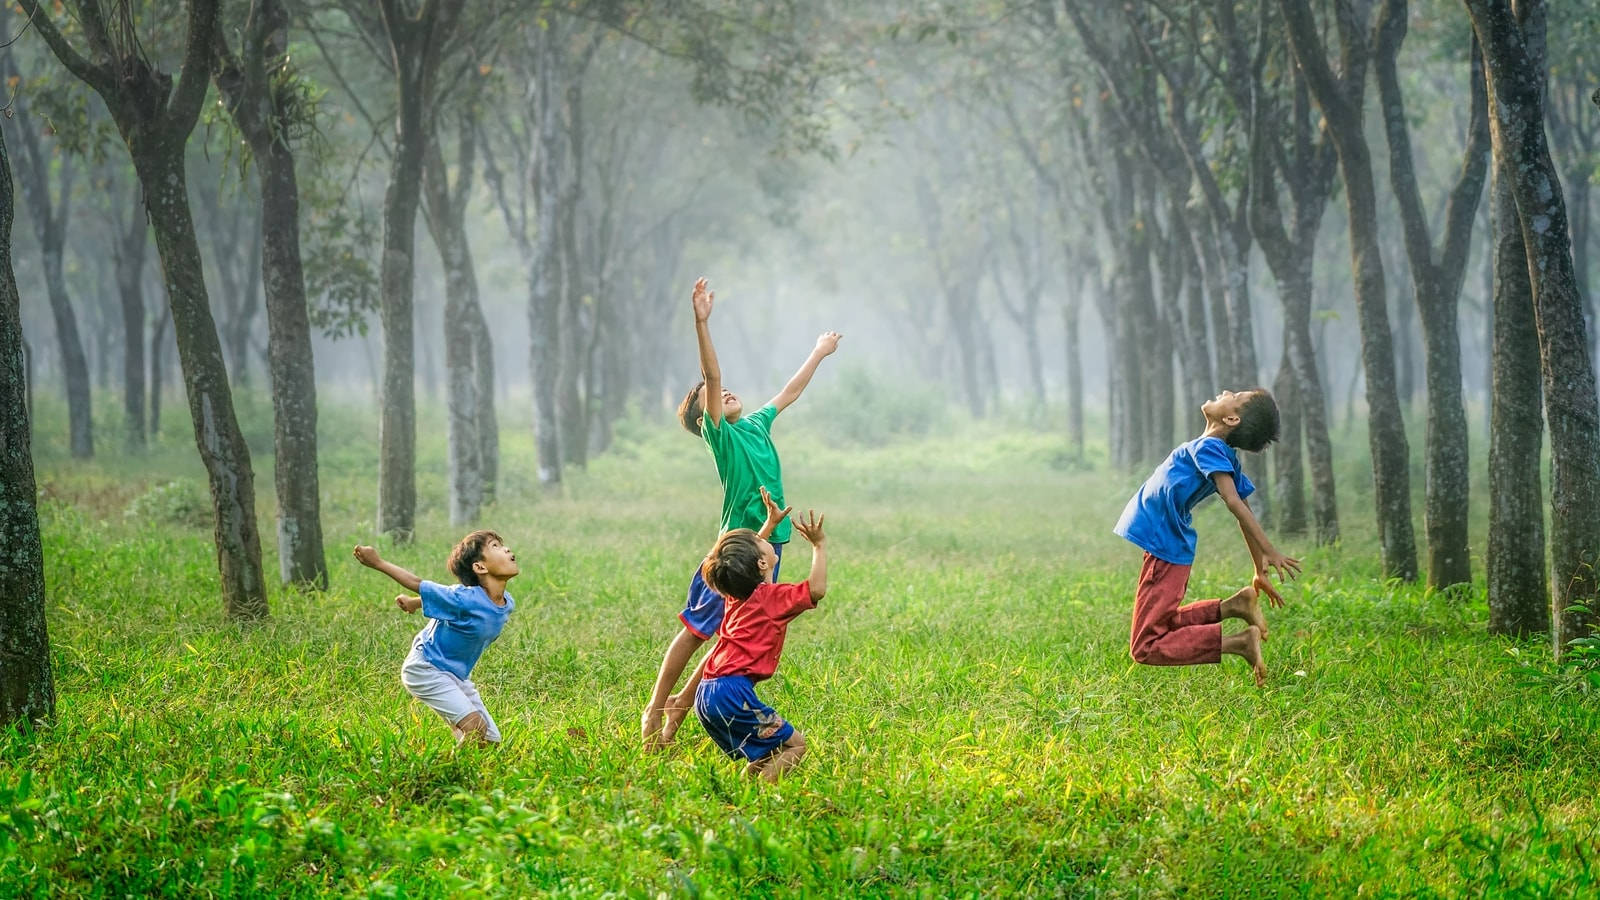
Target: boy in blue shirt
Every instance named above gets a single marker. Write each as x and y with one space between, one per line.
463 620
747 464
1157 519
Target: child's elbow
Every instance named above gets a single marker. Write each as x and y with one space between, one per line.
818 591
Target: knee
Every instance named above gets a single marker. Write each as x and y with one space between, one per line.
796 744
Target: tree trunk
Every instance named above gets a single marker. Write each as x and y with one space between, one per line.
544 302
1437 274
1289 487
1072 314
1387 443
1519 597
49 217
158 367
130 252
27 688
1514 57
397 431
216 430
301 558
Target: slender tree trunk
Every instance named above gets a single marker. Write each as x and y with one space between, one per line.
544 305
294 385
27 688
50 227
1519 596
1289 487
487 421
130 253
397 431
1437 274
1072 315
1387 443
216 430
1514 58
158 343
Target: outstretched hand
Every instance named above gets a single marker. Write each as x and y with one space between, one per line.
367 556
774 514
702 299
827 342
810 527
408 603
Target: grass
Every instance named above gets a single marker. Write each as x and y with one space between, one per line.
976 724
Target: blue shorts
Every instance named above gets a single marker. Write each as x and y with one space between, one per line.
702 614
737 720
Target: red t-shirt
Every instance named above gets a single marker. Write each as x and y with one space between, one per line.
751 636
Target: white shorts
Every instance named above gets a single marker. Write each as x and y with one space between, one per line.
452 698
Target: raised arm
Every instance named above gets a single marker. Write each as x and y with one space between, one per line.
1265 556
709 369
810 527
827 342
368 556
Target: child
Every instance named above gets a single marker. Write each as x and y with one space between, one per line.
741 567
746 462
1157 519
463 620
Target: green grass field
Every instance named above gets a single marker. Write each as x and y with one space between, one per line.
977 728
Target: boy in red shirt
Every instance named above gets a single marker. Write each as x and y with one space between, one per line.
749 641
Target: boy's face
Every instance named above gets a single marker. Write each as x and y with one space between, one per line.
769 561
498 562
1223 409
731 407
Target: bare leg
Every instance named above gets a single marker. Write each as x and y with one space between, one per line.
679 652
1247 644
475 726
774 764
1243 605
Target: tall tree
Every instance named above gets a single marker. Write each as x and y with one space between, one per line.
155 115
1437 272
1513 42
27 688
260 91
129 249
468 345
50 215
1519 596
1340 97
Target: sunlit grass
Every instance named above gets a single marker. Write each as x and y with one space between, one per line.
977 726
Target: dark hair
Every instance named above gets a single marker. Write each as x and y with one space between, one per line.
1258 422
689 411
733 569
469 551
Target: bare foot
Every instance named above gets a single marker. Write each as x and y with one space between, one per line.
1243 605
1251 651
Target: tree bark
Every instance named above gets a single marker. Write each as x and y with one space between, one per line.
415 44
1437 274
27 688
544 302
1513 53
1340 101
130 252
463 325
253 103
1519 596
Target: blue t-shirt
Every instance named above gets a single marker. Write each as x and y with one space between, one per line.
463 621
1157 518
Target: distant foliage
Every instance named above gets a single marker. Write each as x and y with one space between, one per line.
181 503
862 408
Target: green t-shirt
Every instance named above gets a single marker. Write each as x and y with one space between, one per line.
746 462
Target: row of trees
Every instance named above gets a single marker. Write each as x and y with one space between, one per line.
1043 154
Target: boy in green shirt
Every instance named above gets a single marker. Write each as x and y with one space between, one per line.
747 462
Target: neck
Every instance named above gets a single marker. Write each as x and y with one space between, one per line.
1216 430
495 588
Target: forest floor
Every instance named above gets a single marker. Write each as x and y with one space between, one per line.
976 725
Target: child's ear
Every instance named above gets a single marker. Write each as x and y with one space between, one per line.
480 567
1231 420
